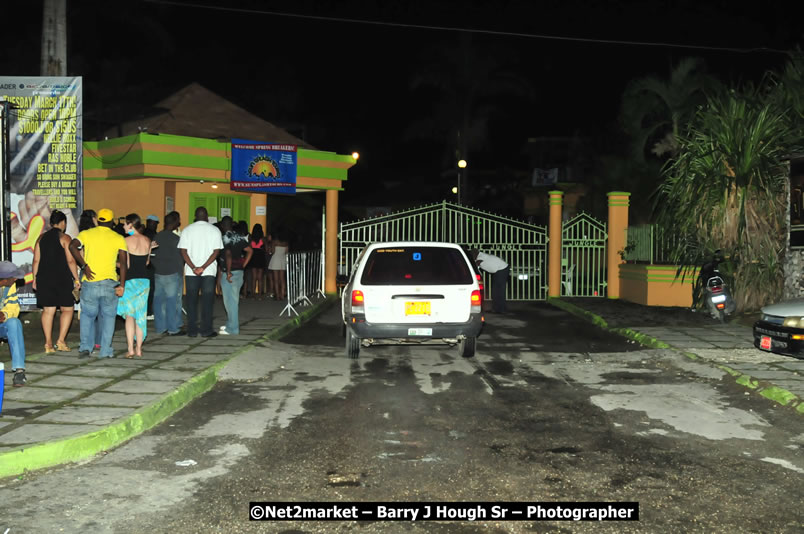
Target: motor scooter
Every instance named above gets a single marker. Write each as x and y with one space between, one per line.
714 290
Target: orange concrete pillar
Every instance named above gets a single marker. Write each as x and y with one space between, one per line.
331 243
618 225
554 245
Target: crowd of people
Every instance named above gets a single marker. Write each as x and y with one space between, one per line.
130 269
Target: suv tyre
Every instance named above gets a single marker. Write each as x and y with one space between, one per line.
352 344
466 347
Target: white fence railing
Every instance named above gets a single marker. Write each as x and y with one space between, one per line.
649 243
522 245
304 279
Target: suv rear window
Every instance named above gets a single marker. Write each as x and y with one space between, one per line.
407 266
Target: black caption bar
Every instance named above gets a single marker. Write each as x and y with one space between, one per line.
444 511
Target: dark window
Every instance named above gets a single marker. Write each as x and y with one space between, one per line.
797 236
407 266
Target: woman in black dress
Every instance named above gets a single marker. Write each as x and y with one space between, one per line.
55 275
256 267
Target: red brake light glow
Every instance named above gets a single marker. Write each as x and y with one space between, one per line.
357 297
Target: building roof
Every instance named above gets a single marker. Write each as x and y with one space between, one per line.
195 111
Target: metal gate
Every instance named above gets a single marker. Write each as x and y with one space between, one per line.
583 257
522 245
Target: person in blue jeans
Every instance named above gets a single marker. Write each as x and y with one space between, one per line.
98 311
89 219
104 249
168 264
10 325
237 253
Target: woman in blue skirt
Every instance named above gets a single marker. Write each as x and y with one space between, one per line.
133 305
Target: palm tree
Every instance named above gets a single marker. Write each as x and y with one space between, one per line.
468 85
785 89
727 189
653 110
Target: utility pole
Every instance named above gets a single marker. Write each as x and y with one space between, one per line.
54 38
5 203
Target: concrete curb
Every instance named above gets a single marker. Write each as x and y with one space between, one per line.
639 337
764 388
300 319
77 448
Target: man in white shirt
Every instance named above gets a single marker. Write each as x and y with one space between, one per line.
199 244
499 278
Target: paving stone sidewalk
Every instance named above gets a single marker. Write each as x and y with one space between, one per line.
729 345
70 404
732 345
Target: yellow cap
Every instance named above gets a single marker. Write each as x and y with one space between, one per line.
105 215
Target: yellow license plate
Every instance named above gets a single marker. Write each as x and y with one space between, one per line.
417 308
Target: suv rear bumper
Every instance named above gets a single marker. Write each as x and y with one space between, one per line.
363 329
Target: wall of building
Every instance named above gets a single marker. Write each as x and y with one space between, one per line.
147 196
182 192
179 165
143 197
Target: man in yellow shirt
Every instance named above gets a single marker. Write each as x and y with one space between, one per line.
104 249
10 325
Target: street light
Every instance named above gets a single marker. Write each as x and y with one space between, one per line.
355 155
461 166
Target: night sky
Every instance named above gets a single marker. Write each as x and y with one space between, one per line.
345 85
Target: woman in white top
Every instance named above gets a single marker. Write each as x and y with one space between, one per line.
278 265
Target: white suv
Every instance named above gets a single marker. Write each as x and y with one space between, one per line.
412 292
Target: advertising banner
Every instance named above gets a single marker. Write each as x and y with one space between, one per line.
45 163
263 167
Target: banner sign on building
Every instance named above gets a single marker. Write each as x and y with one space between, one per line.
45 163
544 177
263 167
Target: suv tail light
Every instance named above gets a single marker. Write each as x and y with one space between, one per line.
479 282
477 301
357 301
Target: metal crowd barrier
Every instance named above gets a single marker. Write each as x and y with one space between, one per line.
304 279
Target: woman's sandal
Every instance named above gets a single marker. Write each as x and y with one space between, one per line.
62 346
130 355
49 349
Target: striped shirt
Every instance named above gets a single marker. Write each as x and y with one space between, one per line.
9 302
